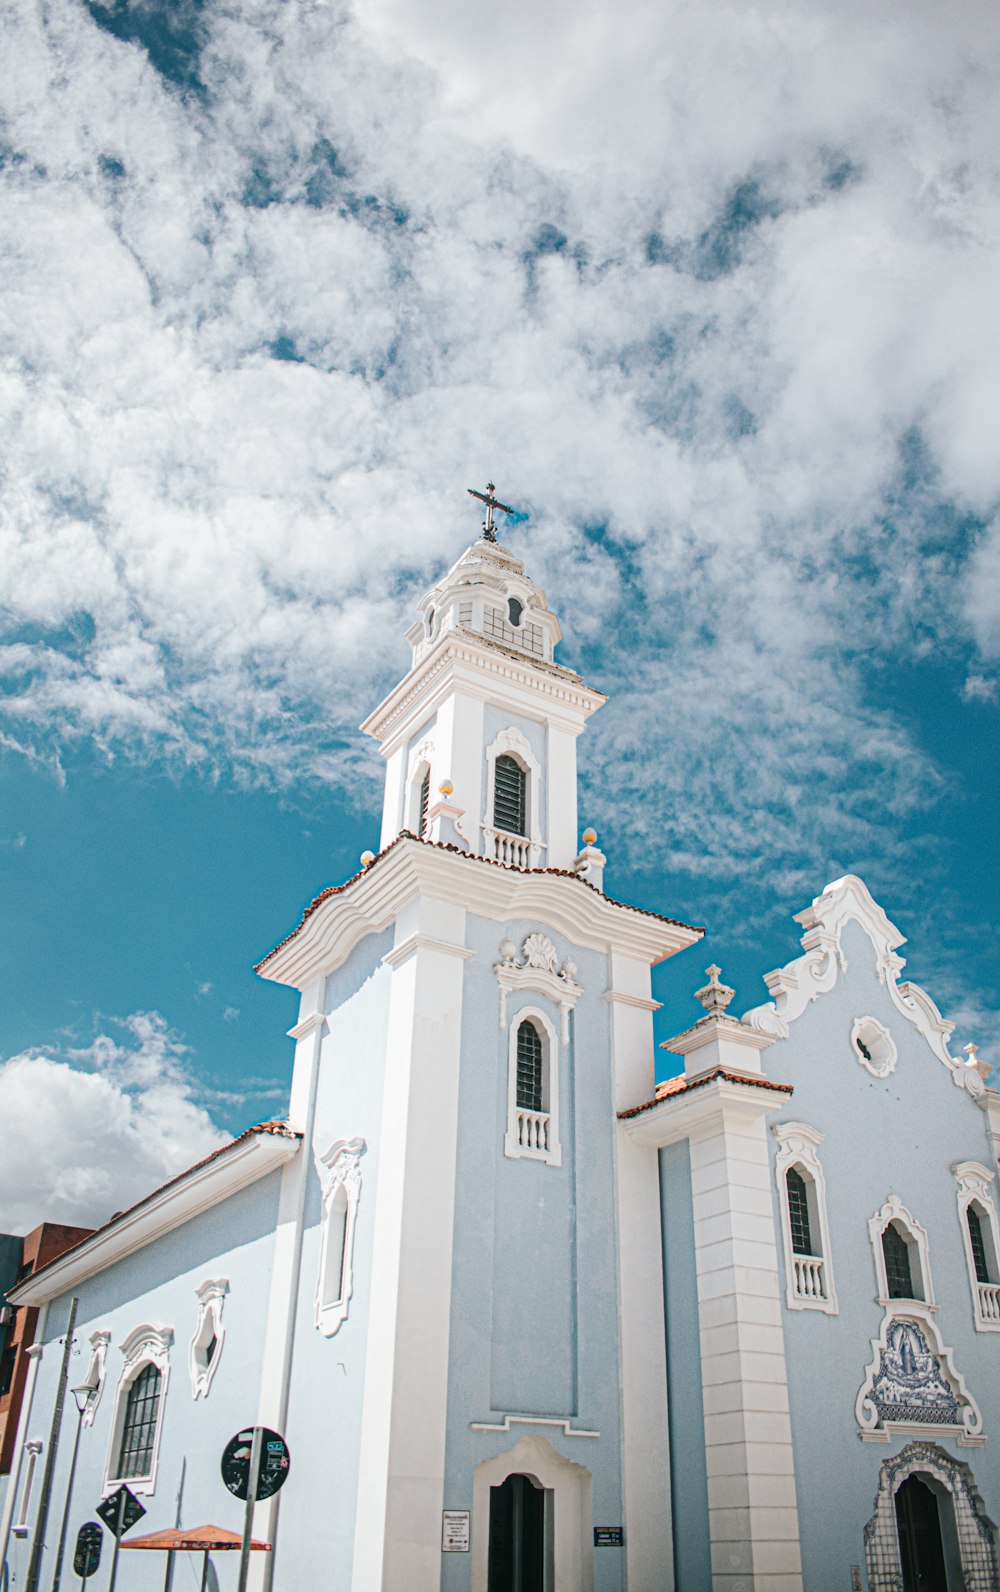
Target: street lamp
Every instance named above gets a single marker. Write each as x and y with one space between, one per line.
82 1397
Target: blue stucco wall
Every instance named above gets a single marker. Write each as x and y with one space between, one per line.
534 1326
688 1473
897 1135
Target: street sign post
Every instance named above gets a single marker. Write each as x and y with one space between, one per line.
119 1513
260 1453
87 1555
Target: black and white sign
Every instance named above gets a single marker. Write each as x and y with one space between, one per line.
87 1556
455 1530
609 1537
274 1463
132 1511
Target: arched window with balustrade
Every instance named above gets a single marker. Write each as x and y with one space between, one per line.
802 1199
533 1089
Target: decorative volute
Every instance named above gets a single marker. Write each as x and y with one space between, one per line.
486 711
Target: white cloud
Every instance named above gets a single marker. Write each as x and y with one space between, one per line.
92 1129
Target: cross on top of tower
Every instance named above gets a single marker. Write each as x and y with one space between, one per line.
489 529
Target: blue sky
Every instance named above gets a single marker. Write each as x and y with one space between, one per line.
714 304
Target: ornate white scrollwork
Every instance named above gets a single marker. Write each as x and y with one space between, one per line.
209 1335
538 969
912 1385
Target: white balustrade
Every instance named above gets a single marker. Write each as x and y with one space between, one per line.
989 1300
515 850
533 1130
809 1283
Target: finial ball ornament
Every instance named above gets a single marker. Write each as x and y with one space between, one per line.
590 837
367 858
446 787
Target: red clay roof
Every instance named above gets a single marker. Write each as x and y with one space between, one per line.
683 1085
507 867
281 1129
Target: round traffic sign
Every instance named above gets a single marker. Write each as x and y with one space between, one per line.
272 1472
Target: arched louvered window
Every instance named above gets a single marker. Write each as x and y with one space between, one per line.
798 1212
898 1276
509 805
142 1412
529 1068
425 796
976 1239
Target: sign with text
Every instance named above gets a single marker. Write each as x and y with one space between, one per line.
455 1530
87 1556
121 1511
609 1537
274 1463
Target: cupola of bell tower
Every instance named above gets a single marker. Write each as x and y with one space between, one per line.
487 710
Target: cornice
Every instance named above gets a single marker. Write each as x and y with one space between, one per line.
702 1104
410 868
243 1162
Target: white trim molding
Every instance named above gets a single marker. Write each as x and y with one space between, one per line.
533 1135
539 970
912 1386
873 1046
341 1195
808 1278
523 851
96 1374
968 1532
915 1236
144 1345
569 1511
973 1188
205 1349
32 1448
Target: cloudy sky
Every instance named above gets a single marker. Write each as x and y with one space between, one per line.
710 292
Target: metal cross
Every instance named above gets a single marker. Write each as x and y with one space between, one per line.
489 529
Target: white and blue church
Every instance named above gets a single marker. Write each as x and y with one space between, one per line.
527 1321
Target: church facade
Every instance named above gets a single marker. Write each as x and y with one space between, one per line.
527 1322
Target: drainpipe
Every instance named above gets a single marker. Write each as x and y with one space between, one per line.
317 1022
34 1355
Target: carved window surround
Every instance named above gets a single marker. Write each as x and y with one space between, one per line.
538 969
203 1360
144 1345
876 1040
973 1188
521 851
912 1386
920 1265
421 762
808 1278
973 1528
341 1196
533 1135
96 1372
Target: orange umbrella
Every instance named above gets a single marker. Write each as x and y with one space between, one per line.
201 1539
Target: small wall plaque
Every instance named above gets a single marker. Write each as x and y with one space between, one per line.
609 1537
455 1530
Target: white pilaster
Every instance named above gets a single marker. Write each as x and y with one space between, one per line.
562 817
401 1464
459 746
393 817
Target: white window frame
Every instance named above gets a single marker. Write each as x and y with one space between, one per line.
96 1374
973 1188
517 1139
211 1295
32 1448
878 1041
809 1281
341 1188
523 851
421 762
920 1262
144 1345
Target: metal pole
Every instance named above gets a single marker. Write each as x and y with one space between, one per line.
204 1571
252 1483
118 1541
69 1494
41 1519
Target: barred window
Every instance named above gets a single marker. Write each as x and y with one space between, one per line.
142 1412
425 794
529 1068
897 1263
798 1212
978 1244
509 782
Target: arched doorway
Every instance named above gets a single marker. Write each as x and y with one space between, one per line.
921 1544
550 1487
517 1536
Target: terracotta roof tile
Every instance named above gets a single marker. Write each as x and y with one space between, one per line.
670 1087
489 862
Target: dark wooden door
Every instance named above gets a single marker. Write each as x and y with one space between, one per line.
918 1521
517 1537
